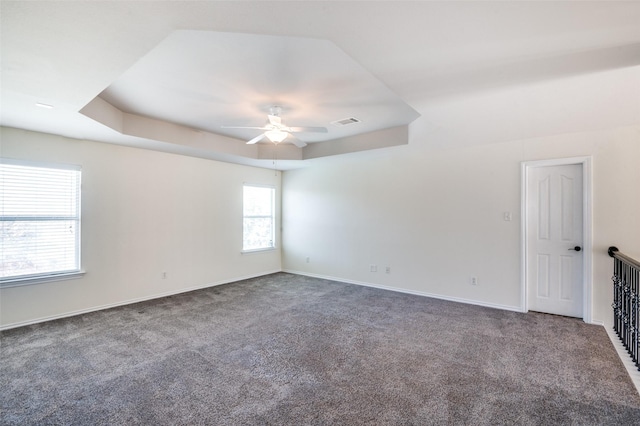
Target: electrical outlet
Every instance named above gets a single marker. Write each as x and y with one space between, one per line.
308 259
373 268
388 269
507 216
164 275
474 280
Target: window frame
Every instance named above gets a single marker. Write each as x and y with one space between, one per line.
272 216
60 275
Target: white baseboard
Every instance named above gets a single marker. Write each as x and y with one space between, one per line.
130 301
634 374
414 292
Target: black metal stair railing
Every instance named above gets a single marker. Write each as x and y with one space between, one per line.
626 301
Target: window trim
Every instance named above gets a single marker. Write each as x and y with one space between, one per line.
28 279
42 278
273 218
258 250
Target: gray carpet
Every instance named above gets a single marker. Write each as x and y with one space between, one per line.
286 349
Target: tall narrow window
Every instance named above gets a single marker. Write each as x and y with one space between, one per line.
39 221
259 217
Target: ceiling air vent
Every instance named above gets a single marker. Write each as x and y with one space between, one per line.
345 121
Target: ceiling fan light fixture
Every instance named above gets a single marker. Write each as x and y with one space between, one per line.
276 136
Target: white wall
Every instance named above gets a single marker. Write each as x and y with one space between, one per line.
437 218
143 213
433 210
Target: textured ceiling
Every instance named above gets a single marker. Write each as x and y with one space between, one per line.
426 53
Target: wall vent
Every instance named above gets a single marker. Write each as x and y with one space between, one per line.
345 121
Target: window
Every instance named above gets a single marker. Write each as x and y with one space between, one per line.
259 214
39 221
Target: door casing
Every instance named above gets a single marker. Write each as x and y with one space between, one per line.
587 244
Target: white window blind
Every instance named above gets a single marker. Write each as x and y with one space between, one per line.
39 220
258 218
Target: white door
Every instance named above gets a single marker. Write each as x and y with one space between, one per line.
554 240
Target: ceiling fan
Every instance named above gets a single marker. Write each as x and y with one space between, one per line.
276 131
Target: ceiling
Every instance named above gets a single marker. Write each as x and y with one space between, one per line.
168 75
206 80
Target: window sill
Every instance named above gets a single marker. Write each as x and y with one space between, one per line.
260 250
20 281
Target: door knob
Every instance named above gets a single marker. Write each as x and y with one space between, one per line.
576 248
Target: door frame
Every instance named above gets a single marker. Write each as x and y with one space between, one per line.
587 243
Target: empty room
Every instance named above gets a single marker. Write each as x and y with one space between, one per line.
331 212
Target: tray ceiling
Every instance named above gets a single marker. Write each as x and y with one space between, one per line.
439 58
205 80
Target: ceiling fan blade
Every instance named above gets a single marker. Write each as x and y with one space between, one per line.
243 127
256 139
297 142
308 129
275 120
